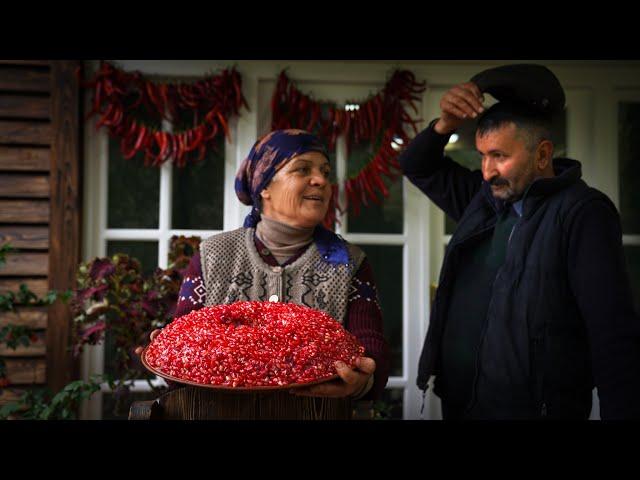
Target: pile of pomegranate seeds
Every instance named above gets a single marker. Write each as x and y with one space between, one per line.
253 344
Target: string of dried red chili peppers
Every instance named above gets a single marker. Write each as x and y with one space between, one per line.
383 117
117 94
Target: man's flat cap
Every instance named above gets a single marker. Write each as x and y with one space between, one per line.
530 85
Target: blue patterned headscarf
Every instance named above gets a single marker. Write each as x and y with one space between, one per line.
267 156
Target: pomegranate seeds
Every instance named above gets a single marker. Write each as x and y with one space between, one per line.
253 344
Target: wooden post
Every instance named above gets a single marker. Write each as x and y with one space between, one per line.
64 235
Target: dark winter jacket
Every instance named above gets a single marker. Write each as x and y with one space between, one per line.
561 318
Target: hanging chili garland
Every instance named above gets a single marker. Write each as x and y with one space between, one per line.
382 116
117 96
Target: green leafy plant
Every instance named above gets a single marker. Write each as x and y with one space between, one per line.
382 410
40 404
4 249
116 302
35 403
15 335
27 298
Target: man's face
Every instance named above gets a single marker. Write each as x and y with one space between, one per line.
507 165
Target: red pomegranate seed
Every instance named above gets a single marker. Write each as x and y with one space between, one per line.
247 344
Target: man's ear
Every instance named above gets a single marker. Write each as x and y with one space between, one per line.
264 193
544 154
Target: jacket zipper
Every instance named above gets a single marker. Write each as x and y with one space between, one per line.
474 390
543 407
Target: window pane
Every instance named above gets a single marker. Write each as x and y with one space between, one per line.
389 407
632 255
134 191
198 192
462 149
386 262
145 251
388 217
629 158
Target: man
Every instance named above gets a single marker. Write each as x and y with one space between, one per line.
534 306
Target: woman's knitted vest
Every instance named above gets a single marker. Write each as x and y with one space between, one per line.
233 271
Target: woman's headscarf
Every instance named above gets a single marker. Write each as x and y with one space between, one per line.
267 156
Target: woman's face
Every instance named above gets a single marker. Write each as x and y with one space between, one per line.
299 193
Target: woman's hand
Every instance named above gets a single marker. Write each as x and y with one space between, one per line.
152 335
350 383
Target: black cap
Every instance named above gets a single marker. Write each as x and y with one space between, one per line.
532 86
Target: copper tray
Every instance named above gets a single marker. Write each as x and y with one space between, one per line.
227 388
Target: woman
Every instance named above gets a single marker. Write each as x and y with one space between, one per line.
282 253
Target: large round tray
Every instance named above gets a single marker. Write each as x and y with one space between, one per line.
227 388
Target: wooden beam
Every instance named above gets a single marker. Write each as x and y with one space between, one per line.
24 106
24 79
14 132
21 371
18 185
24 211
27 159
10 395
40 63
64 226
37 348
25 264
32 317
32 238
38 286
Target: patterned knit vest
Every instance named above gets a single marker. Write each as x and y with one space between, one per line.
233 271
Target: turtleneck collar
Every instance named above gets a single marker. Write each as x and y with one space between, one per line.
281 239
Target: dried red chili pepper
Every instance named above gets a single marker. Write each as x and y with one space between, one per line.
97 98
361 190
140 139
223 122
380 183
164 147
105 116
366 174
118 115
201 152
315 115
